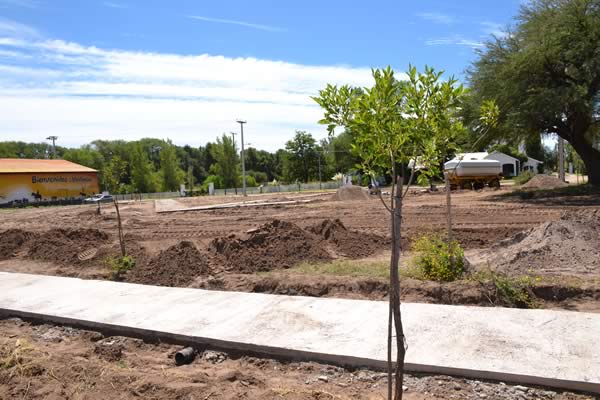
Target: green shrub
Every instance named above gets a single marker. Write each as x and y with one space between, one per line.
120 265
523 178
434 258
513 292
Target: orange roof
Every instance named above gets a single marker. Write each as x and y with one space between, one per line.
24 165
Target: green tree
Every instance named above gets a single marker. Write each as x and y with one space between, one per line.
391 123
143 177
302 158
227 161
545 75
85 155
342 155
113 173
170 172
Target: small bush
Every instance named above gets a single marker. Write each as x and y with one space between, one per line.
513 292
120 265
523 178
434 258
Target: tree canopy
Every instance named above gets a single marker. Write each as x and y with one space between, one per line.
544 74
303 155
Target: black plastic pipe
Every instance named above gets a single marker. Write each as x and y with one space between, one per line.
185 356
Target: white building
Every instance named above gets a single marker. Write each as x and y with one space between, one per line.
510 166
532 165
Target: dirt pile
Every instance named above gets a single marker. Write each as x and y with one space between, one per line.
349 243
65 245
12 240
350 193
544 182
568 246
176 266
274 245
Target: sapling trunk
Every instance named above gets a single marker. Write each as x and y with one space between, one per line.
394 299
121 238
449 219
400 349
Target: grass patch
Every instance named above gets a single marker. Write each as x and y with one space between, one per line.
355 268
509 291
371 269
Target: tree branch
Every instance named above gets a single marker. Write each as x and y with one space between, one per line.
383 202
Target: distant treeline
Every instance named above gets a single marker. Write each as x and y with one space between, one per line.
152 165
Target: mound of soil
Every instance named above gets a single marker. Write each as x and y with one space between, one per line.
274 245
11 241
568 246
352 244
541 181
350 193
63 246
176 266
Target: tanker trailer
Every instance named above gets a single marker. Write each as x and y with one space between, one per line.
473 174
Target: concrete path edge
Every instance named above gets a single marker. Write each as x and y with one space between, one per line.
299 355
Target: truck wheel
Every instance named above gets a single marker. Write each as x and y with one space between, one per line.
478 185
465 185
495 183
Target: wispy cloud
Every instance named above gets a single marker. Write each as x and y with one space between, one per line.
13 29
82 93
19 3
456 40
240 23
114 5
493 28
438 18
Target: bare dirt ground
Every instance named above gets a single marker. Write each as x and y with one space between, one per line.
256 249
54 362
253 248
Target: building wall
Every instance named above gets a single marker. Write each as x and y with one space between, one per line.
19 186
505 160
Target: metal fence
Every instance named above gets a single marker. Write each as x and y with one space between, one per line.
296 187
146 196
299 187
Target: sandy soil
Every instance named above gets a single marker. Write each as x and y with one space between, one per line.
54 362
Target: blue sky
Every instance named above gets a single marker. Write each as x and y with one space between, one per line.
186 70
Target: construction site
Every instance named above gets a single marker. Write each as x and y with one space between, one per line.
533 254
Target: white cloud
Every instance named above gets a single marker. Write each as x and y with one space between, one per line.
493 28
114 5
456 40
438 18
82 93
16 30
18 3
240 23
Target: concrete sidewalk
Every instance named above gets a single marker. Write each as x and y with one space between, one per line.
552 348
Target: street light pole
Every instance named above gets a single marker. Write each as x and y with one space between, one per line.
239 121
235 151
53 138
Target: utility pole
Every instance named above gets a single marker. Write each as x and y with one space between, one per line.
239 121
53 138
235 151
561 159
